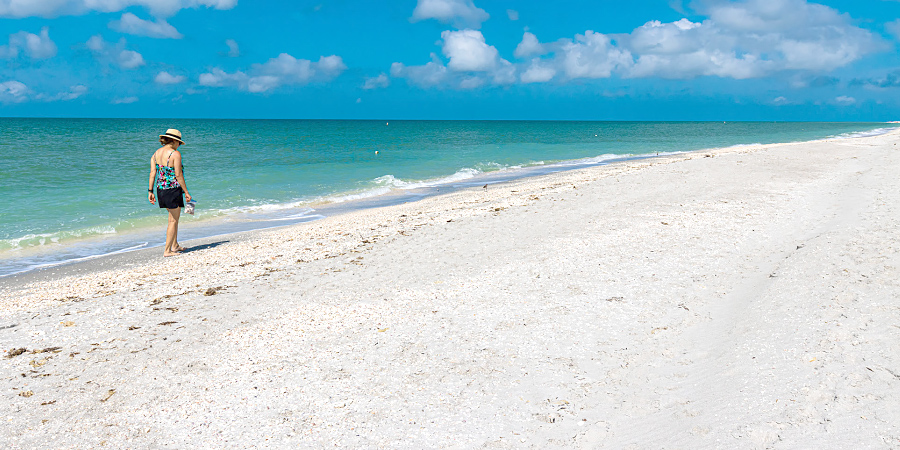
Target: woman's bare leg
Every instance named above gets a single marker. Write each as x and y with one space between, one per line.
172 232
176 247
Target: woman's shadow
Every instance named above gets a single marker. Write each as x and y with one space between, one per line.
204 246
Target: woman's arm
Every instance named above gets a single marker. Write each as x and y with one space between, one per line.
150 195
179 175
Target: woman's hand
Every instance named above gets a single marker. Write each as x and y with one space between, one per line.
187 197
151 197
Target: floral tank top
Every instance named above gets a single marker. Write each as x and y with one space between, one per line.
165 176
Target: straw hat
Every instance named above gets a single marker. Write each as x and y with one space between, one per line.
172 133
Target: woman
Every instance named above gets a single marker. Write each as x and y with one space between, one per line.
167 174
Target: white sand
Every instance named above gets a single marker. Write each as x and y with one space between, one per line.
745 299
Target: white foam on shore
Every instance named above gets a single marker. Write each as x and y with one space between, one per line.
862 134
387 183
41 239
261 208
755 144
391 181
306 215
75 260
591 161
597 160
358 196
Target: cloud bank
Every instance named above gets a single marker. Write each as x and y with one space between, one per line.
132 24
167 78
737 40
14 91
381 81
53 8
115 54
283 70
36 46
461 13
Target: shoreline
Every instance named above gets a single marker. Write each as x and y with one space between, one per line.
94 265
740 297
329 207
342 204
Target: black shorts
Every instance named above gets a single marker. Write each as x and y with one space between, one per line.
170 198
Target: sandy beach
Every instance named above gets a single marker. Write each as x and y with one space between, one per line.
734 298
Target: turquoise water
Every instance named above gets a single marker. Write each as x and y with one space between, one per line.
73 188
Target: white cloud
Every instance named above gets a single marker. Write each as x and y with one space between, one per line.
505 73
96 43
233 50
130 59
397 69
750 39
767 16
13 92
592 55
780 100
736 39
132 24
669 38
124 100
433 73
845 100
699 63
54 8
73 93
286 65
512 14
472 63
462 13
18 92
381 81
893 28
219 78
279 71
471 83
262 83
686 49
331 66
114 54
538 73
529 46
739 40
35 46
167 78
468 51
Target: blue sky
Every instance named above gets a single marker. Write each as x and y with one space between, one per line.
452 59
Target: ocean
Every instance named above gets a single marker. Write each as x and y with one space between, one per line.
74 189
